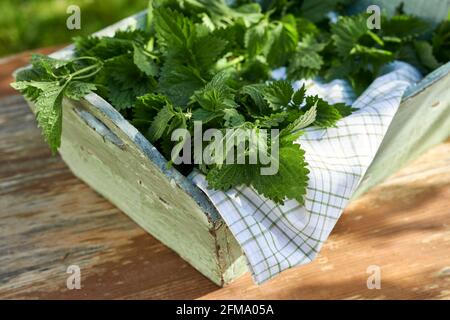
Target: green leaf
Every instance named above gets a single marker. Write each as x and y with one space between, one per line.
441 41
49 64
288 183
218 99
173 30
144 62
49 114
343 109
425 54
125 81
256 38
216 95
327 114
77 89
179 82
278 94
167 120
307 62
161 122
145 110
255 91
121 43
205 116
347 31
317 10
232 118
405 27
283 41
299 96
303 121
273 120
207 49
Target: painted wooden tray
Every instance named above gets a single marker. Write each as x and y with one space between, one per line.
110 155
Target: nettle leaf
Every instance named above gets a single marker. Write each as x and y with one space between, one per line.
425 54
217 99
166 120
222 15
273 120
125 81
207 50
144 62
344 109
316 11
289 182
77 89
49 114
173 30
179 82
48 98
40 61
404 27
190 54
160 122
346 33
256 38
278 94
303 121
299 96
216 95
283 41
307 61
146 108
441 41
121 43
327 114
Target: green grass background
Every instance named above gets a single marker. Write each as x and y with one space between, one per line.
30 24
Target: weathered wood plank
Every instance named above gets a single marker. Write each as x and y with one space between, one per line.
49 220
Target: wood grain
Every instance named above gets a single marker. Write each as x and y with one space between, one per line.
49 220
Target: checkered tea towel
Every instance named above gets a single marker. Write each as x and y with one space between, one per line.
277 237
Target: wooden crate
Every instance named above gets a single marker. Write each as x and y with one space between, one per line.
110 155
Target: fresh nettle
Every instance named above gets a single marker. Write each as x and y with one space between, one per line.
48 81
205 60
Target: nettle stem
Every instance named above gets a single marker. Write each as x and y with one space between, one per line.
86 72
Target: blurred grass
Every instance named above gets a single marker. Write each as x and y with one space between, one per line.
30 24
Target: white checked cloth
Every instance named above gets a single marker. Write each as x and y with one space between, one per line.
276 237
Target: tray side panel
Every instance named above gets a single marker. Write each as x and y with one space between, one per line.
135 185
422 121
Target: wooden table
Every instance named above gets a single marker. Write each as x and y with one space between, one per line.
50 220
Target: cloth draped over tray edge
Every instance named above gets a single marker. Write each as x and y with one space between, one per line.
277 237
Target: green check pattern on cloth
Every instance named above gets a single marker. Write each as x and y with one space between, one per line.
277 237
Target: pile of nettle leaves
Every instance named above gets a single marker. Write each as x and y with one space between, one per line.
208 61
